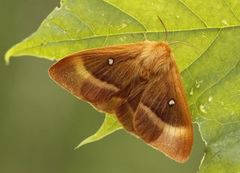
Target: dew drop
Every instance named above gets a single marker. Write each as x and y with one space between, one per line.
198 83
177 17
225 22
210 99
191 92
202 109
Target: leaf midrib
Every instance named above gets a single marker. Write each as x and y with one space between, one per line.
123 34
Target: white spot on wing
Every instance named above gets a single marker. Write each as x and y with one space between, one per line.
110 61
171 102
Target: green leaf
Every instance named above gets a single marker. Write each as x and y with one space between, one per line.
211 74
109 126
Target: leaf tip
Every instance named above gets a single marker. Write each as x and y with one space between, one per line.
81 144
7 56
110 125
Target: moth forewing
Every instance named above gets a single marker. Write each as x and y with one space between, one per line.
105 77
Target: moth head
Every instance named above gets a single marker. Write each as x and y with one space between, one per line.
163 55
156 57
164 49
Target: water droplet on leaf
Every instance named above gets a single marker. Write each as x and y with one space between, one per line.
202 109
225 22
198 83
191 92
210 99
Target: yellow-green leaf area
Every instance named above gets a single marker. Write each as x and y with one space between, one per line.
210 66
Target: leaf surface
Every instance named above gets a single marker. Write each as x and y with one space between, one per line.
211 71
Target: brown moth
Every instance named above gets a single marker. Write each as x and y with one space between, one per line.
140 84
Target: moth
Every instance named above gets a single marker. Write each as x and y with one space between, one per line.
140 84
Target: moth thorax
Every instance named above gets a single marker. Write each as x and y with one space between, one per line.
156 56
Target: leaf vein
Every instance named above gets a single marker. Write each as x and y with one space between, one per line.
124 12
64 31
210 45
81 21
199 18
230 8
219 80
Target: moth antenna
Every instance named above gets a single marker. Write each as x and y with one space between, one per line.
186 44
165 28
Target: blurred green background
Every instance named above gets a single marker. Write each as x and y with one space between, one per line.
40 124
